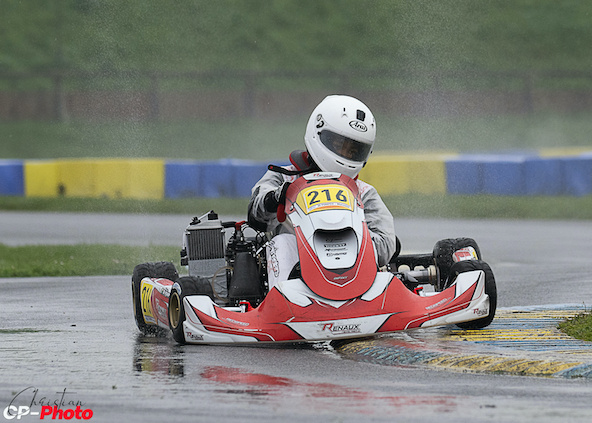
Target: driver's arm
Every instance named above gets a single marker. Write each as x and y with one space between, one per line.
258 216
380 223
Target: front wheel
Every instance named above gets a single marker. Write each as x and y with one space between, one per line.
185 286
490 290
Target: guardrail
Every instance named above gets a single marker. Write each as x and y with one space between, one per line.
546 173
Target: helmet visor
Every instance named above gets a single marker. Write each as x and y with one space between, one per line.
345 147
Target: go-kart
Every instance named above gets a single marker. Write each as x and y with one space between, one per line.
336 290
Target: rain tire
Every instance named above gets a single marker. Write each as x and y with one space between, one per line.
185 286
443 252
162 269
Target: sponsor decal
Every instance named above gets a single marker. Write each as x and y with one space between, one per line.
159 306
334 248
334 243
480 312
236 322
320 121
193 336
341 328
358 126
29 402
165 290
439 303
467 253
273 264
162 312
321 175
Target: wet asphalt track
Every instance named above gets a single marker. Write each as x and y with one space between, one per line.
78 335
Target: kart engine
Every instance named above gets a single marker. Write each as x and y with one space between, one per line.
237 271
203 251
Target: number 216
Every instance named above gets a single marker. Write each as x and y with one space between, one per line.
340 196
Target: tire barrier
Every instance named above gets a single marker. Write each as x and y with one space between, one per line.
11 177
223 178
549 173
520 175
95 178
401 174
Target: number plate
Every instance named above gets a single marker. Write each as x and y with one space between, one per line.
146 301
325 197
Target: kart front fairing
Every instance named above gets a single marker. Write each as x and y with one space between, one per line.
340 292
291 312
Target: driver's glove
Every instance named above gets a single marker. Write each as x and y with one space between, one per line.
276 197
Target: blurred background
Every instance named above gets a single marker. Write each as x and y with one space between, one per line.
206 79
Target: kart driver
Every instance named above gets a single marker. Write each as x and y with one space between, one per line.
339 138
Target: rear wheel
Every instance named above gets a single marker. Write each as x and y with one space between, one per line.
443 255
185 286
162 269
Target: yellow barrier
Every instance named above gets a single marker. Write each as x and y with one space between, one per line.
76 178
563 151
41 178
146 179
121 178
96 178
407 173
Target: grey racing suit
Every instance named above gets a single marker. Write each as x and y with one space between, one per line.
378 217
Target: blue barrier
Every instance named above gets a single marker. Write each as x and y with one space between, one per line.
223 178
182 179
217 179
230 177
245 176
577 172
519 175
463 176
543 176
503 175
11 177
486 174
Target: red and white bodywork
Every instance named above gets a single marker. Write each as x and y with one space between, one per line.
341 292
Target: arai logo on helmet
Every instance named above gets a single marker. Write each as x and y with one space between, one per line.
358 126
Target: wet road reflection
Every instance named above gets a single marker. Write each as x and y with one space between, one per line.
153 355
162 359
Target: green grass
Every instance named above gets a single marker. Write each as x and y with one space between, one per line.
579 327
79 260
273 140
190 206
490 207
23 330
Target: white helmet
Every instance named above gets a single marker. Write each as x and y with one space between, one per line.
340 135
